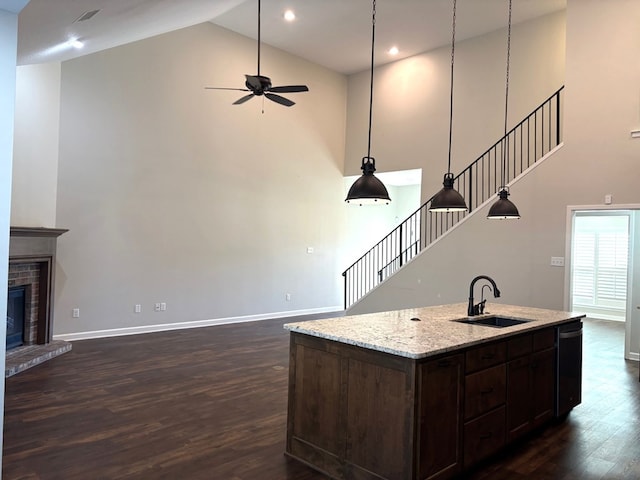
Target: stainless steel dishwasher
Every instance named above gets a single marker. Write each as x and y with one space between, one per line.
568 367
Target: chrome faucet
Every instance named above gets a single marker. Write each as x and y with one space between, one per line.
479 308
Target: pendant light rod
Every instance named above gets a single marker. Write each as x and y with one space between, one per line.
373 42
503 208
259 22
453 51
505 155
448 199
368 189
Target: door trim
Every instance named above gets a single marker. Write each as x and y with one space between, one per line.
571 209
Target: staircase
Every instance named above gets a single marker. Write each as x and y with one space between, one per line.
527 142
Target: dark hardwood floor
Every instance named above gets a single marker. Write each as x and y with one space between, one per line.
211 403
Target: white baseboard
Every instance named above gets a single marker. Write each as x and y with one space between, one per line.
118 332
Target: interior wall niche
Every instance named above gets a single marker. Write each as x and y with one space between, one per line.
32 254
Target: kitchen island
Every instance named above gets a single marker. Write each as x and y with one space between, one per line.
418 393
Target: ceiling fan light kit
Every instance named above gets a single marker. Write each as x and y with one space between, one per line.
448 199
368 189
260 85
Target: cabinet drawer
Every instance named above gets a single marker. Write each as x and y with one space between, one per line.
485 356
483 436
544 339
485 390
519 346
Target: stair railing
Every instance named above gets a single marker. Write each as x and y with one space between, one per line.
529 141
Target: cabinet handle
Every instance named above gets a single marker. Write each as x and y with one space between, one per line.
487 356
486 391
444 363
484 436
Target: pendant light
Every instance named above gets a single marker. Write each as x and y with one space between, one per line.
368 189
448 199
503 208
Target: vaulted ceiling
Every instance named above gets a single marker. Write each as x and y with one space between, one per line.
332 33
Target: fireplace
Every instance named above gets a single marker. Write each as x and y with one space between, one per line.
32 254
16 316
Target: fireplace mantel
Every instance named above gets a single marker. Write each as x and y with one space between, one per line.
37 231
33 241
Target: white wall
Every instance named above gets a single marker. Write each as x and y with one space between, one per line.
9 10
37 127
411 99
366 223
172 194
602 105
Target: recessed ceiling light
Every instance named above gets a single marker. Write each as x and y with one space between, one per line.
75 43
289 16
393 50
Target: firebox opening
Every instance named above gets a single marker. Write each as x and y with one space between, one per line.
16 315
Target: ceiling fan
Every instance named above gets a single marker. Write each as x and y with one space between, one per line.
260 85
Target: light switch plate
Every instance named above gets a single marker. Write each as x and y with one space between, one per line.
557 261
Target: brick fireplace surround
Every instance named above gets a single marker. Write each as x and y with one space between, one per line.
32 260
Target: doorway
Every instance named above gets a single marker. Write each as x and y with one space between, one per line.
599 280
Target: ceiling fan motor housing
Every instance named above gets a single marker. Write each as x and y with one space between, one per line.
258 84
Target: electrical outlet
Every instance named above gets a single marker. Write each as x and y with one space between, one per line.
157 307
163 307
309 249
137 308
287 297
557 261
76 313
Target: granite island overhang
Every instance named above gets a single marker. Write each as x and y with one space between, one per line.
438 330
417 393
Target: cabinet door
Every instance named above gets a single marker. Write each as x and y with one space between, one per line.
439 430
484 391
543 385
378 430
519 401
483 436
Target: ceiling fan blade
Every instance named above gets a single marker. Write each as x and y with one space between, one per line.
223 88
278 99
290 89
243 99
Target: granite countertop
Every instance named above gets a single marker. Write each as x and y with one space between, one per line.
437 331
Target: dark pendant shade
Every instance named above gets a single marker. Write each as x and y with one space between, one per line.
503 208
448 199
368 189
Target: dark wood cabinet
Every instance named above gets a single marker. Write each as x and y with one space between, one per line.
543 385
440 424
350 410
377 396
483 436
361 414
484 391
484 399
530 382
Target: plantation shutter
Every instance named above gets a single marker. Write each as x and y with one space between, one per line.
600 258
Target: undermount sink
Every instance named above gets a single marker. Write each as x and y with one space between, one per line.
493 321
